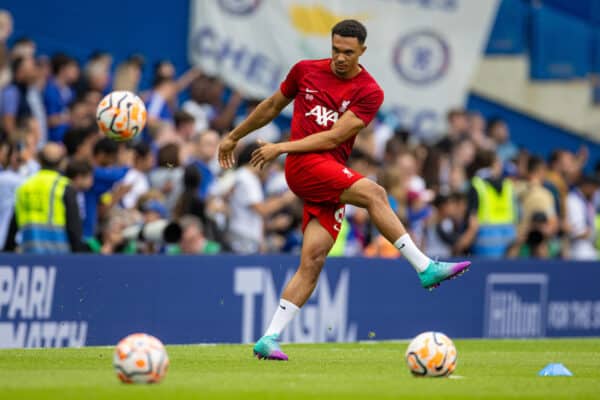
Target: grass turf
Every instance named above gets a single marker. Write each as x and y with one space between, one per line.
488 369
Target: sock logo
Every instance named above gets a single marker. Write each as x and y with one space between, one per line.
282 307
402 246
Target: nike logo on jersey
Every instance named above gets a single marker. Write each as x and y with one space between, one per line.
323 116
347 172
311 90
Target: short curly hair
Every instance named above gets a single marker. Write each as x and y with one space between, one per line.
350 28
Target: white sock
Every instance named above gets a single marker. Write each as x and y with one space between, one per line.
286 311
412 253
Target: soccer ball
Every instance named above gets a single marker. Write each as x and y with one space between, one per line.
140 358
431 354
121 115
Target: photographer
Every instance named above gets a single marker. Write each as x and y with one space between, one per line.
536 239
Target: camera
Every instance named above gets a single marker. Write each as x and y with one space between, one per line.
160 231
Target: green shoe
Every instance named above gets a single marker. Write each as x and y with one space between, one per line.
438 271
267 348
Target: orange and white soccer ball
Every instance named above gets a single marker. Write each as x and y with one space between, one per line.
140 358
121 115
431 354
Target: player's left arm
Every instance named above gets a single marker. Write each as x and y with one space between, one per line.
347 126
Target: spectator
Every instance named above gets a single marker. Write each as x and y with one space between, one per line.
14 103
193 240
207 106
23 47
158 103
189 202
498 132
536 199
536 240
27 138
127 76
106 175
152 209
110 239
58 95
81 175
91 98
10 180
248 207
51 223
197 106
97 73
477 132
184 125
6 26
418 196
443 234
204 152
166 69
458 127
492 202
79 114
137 177
581 215
556 181
35 98
168 175
79 142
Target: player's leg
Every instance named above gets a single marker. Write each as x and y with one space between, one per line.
368 194
315 247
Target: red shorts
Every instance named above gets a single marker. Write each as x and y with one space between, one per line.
320 181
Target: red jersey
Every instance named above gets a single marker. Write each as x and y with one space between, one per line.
321 97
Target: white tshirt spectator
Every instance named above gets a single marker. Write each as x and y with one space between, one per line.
245 224
137 176
203 113
139 185
581 214
9 182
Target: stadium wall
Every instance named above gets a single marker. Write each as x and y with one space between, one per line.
526 131
92 300
153 28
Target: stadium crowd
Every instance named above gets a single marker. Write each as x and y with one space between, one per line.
474 192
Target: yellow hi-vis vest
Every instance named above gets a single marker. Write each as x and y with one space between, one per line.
496 215
41 214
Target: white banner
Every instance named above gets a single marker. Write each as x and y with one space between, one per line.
422 52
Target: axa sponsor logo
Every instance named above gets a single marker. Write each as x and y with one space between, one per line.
323 115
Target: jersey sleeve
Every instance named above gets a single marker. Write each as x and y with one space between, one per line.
367 106
290 86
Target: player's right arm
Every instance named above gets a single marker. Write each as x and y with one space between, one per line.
264 113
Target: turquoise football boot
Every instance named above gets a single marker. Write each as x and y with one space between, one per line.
267 348
438 271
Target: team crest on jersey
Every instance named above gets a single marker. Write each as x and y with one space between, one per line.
323 116
344 106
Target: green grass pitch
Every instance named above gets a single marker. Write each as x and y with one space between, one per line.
490 369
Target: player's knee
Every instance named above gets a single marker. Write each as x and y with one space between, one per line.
312 264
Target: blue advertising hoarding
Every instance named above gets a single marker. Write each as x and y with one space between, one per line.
82 300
